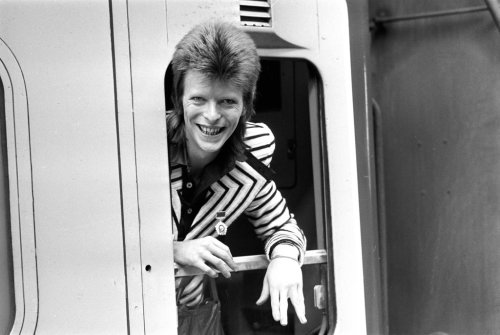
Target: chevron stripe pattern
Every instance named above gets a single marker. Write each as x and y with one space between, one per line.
243 190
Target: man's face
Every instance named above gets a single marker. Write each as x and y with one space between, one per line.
212 109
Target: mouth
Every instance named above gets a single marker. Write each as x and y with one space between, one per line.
210 131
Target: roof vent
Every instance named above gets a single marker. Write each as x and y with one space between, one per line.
255 13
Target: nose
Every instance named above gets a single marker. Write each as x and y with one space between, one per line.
212 113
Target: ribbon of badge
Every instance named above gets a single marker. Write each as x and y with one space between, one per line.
220 226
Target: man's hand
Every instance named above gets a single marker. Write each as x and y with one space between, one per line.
283 280
206 254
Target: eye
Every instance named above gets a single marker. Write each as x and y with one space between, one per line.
197 100
229 102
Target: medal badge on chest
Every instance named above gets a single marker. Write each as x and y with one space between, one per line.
220 226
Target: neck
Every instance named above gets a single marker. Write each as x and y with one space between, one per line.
198 160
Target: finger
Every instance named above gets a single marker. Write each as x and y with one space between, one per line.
206 269
283 307
297 299
275 304
219 244
221 251
264 294
220 265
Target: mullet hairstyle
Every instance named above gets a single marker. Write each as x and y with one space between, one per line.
220 51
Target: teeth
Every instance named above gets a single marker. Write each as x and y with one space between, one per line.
210 131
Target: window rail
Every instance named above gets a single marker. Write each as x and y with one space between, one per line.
254 262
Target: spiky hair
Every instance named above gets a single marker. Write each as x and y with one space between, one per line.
220 51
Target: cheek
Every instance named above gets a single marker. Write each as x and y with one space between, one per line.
189 112
235 120
239 114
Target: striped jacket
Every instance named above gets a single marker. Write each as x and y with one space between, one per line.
244 190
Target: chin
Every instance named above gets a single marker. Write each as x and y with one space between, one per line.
211 148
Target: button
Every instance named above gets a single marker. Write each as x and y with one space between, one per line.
189 185
189 211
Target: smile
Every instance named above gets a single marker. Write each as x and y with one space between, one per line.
210 131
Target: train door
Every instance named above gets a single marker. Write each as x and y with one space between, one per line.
304 95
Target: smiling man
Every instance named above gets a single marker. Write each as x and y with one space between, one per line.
219 168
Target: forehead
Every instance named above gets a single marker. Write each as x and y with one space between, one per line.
198 81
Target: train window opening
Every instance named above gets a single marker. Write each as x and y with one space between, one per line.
7 305
288 101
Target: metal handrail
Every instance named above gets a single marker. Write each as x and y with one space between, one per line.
380 19
254 262
493 6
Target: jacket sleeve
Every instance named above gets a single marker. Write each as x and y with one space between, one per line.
268 212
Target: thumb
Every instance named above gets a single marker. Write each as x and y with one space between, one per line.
264 295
